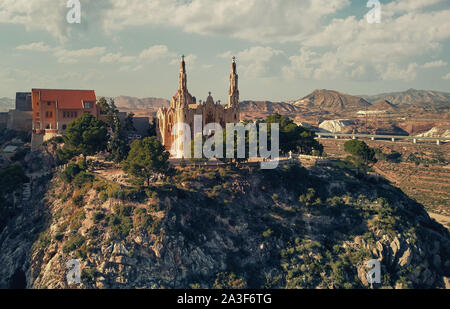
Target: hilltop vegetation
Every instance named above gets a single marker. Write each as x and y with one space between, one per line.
230 227
237 228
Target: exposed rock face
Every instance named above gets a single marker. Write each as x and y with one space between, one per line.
267 107
336 126
333 101
442 131
251 223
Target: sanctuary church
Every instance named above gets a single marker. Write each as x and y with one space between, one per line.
183 108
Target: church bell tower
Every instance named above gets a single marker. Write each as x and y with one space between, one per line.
233 92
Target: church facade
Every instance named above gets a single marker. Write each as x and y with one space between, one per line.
183 108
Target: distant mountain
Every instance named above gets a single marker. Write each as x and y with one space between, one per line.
383 105
332 101
132 103
269 107
6 104
414 98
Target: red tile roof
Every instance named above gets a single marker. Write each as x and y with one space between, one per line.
67 99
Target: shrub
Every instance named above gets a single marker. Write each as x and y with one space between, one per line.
78 200
77 220
103 196
120 221
82 178
73 243
70 172
229 281
98 216
267 233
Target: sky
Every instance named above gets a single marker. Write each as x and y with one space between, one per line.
284 49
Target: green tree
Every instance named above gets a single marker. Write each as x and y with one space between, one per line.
146 157
118 143
294 137
87 135
152 128
360 151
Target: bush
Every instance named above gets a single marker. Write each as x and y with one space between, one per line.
82 178
98 216
77 220
120 221
229 281
103 196
78 200
360 151
75 242
70 172
268 233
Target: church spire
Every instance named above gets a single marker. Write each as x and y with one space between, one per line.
233 93
183 76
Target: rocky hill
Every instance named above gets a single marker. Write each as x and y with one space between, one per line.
132 103
231 228
332 101
267 108
383 105
415 98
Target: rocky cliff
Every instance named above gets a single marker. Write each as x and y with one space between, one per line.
289 227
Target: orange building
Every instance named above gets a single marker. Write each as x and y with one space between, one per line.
54 109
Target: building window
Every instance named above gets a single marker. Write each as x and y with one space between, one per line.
48 103
48 114
87 105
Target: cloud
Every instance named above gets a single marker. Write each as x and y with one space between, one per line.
351 48
434 64
156 52
409 5
131 68
446 77
73 56
394 72
47 15
287 20
254 20
37 47
254 61
116 58
64 55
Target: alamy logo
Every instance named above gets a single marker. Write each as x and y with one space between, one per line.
241 141
374 15
74 272
74 14
374 274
